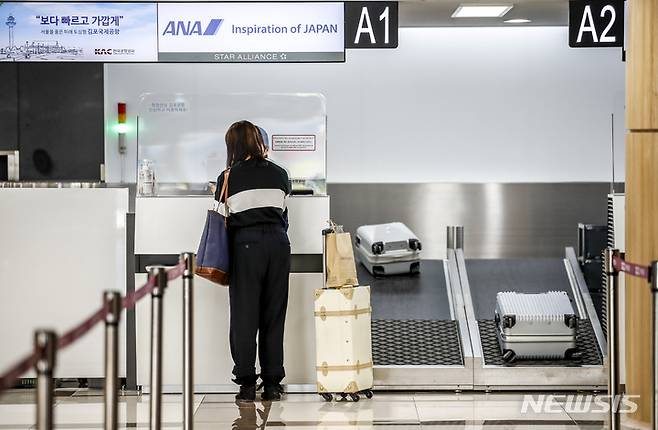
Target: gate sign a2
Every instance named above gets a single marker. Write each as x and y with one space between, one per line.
596 23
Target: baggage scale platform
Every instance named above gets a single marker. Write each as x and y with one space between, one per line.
419 337
482 279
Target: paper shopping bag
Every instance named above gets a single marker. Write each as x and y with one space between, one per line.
341 270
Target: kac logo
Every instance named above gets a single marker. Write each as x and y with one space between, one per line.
189 28
113 51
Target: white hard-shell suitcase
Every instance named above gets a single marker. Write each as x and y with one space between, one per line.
536 326
343 343
388 249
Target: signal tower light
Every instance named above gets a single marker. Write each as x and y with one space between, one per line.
121 127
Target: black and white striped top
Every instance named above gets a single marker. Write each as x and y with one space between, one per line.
257 192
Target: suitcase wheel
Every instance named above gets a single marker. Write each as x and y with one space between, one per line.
415 268
327 396
355 397
573 354
368 394
378 271
509 356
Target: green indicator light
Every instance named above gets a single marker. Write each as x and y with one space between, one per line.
121 128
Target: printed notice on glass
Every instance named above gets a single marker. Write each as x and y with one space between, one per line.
102 32
251 32
293 142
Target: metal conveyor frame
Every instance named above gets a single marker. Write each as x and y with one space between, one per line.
490 377
443 377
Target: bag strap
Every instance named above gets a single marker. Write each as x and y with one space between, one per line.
223 194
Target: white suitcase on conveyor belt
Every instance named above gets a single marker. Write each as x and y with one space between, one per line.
343 344
536 326
388 249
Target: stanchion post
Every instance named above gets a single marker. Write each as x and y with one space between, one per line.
45 343
450 237
459 237
613 336
112 301
187 258
160 277
654 341
455 237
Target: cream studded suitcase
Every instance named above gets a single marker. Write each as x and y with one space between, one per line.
343 344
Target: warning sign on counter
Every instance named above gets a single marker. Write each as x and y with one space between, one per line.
293 142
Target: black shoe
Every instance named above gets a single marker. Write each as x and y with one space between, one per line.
272 392
247 393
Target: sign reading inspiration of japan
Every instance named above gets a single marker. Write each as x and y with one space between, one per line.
251 32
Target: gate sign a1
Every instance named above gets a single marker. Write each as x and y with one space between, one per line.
596 23
371 24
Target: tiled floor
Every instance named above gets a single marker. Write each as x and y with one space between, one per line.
82 409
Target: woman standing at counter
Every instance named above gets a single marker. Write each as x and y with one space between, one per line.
260 260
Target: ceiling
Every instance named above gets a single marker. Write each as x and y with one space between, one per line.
436 13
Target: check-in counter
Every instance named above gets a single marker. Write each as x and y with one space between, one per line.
167 226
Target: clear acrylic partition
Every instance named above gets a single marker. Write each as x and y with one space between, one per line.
183 137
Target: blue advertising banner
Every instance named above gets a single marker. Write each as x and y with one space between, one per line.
101 32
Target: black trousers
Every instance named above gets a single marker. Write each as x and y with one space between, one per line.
258 291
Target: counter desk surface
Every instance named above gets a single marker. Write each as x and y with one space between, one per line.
170 225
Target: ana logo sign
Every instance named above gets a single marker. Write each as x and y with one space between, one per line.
191 28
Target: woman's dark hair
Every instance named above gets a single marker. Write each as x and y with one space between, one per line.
244 141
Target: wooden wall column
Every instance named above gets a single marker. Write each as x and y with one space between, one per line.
641 194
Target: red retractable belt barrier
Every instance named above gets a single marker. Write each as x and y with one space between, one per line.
631 268
8 379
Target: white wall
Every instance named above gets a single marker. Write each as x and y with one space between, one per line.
54 269
450 104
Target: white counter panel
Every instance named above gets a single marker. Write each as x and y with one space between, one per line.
171 225
308 216
212 356
61 248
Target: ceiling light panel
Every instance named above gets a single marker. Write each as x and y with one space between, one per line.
517 21
481 11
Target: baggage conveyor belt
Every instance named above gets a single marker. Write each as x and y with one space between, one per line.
411 318
423 296
488 277
416 339
481 280
528 275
